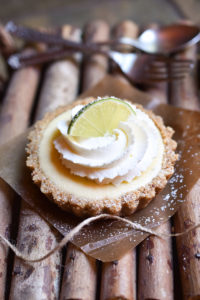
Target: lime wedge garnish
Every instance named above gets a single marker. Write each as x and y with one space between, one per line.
99 117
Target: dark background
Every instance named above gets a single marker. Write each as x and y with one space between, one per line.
78 12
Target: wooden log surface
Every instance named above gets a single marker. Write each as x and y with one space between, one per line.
60 86
7 45
185 94
155 274
42 280
14 118
38 280
80 273
95 66
18 101
79 277
155 270
118 280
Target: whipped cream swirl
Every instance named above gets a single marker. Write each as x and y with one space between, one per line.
113 158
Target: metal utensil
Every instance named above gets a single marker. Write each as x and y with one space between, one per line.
165 40
160 40
144 68
137 67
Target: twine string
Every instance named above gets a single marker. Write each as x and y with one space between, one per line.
78 228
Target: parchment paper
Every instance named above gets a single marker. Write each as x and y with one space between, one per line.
108 240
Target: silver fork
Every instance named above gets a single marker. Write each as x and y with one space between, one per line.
141 68
137 67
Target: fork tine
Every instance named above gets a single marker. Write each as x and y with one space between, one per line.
159 67
165 76
158 64
172 60
179 70
165 70
164 66
157 71
181 61
164 79
174 70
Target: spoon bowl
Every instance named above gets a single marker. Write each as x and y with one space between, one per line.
165 40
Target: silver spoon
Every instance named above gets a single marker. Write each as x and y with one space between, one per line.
162 40
165 40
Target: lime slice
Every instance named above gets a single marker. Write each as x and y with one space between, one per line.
99 117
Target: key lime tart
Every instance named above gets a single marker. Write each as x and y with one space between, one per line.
102 155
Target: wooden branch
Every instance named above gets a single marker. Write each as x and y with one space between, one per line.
7 45
119 277
42 280
39 280
155 276
80 274
62 77
128 29
6 206
14 119
185 94
79 278
155 272
95 66
18 102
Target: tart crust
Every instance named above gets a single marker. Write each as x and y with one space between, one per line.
126 203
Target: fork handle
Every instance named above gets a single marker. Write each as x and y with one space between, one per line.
20 60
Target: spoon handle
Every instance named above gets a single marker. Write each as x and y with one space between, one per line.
132 42
33 35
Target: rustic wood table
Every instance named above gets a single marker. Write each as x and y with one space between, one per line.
157 269
58 12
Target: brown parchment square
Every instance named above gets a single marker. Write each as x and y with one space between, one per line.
108 240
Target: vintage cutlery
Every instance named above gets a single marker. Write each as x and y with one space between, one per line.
165 40
137 67
160 40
